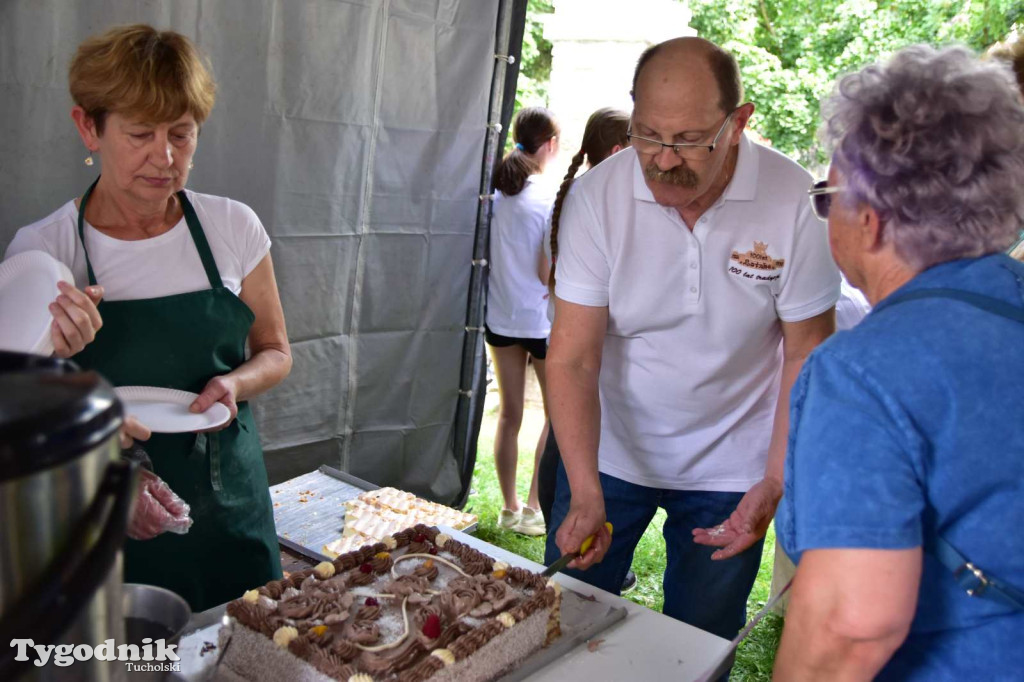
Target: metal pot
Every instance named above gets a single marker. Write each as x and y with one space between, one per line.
65 496
156 613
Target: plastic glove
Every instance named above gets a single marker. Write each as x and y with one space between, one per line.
157 509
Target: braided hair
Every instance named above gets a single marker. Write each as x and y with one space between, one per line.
531 130
605 129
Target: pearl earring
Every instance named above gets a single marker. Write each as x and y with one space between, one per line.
88 160
191 165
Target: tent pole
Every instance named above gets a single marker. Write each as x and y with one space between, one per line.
473 381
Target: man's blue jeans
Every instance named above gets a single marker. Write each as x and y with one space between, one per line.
710 595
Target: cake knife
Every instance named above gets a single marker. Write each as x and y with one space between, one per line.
567 558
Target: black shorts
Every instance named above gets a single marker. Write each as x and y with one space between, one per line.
538 348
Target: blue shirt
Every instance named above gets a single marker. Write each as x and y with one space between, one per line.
912 423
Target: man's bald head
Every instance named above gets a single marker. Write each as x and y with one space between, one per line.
695 53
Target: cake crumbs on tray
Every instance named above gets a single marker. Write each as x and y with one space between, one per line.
594 644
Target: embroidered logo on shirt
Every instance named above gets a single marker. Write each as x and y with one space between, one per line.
757 264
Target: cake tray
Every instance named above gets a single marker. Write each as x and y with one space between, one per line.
581 620
309 510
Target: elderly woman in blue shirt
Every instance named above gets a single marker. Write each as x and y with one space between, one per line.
906 448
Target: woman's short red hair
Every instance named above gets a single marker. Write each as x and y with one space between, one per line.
142 73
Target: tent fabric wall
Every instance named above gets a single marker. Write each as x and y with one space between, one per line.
355 129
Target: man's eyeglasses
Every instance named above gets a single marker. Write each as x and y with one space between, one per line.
821 198
684 150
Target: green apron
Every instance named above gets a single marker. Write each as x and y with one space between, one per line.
182 342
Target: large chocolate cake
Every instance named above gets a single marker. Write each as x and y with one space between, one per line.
417 606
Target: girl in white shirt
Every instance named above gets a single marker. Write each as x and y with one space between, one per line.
517 322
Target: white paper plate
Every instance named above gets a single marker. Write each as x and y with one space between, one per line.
28 285
165 410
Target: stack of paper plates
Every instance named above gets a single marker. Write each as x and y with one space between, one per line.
28 285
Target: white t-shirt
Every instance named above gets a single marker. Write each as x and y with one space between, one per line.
852 307
517 299
547 254
690 370
160 266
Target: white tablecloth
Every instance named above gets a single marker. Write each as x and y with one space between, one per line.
645 646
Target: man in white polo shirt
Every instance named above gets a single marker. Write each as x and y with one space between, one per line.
693 280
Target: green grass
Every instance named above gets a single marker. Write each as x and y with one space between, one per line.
756 654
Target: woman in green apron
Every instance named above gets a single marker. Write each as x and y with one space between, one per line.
187 281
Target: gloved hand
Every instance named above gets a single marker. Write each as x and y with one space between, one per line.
157 509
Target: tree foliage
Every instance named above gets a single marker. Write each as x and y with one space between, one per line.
791 51
535 70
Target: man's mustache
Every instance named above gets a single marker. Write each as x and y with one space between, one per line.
681 176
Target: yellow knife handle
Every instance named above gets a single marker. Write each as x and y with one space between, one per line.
590 539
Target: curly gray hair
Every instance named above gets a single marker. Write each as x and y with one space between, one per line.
933 141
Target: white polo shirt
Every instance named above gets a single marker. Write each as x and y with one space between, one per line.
690 371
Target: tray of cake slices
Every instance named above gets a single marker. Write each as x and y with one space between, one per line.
328 512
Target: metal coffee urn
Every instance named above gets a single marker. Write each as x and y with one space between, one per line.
64 502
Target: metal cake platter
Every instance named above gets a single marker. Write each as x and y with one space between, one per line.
581 620
309 510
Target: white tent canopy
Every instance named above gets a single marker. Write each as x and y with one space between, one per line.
356 130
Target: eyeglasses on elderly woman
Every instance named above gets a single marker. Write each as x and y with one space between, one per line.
821 198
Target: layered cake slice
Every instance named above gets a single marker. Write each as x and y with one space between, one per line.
417 606
376 514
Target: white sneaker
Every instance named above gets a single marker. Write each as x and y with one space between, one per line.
508 519
531 522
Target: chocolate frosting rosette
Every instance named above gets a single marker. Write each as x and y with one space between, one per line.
496 597
428 569
414 587
363 632
461 597
381 562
